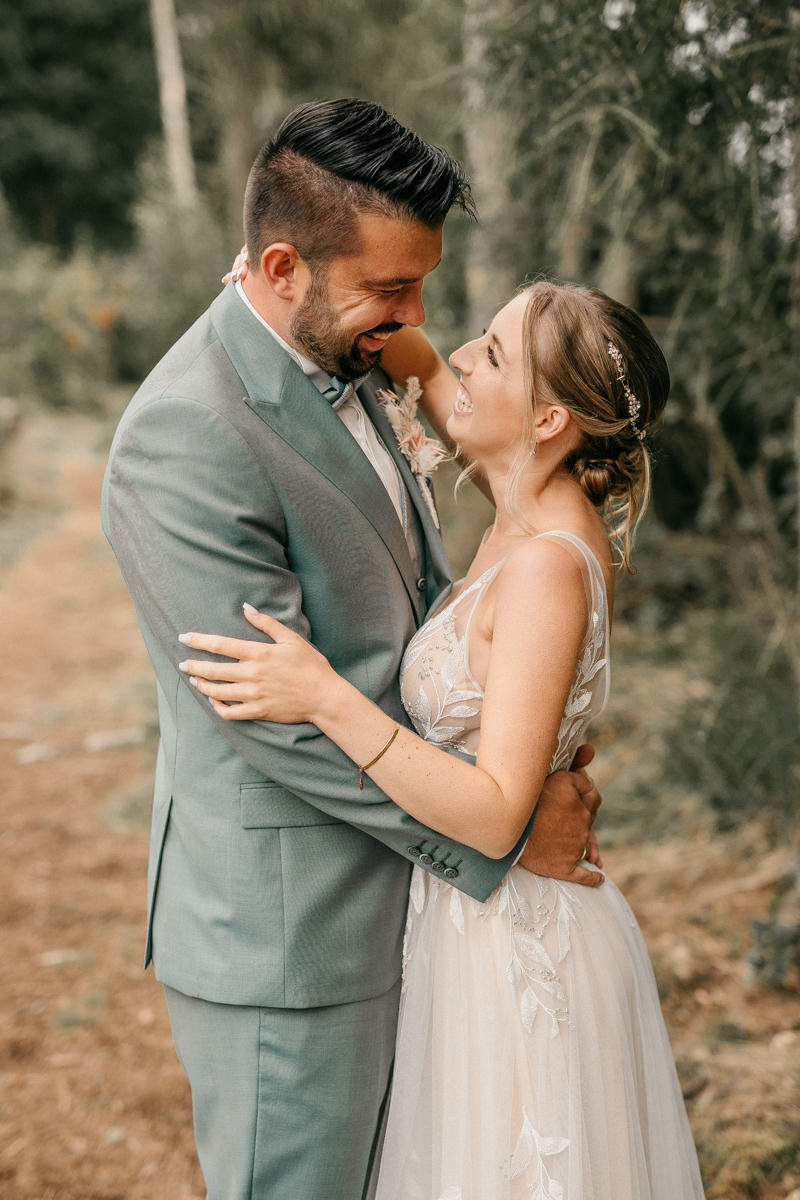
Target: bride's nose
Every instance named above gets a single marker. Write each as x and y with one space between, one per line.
459 359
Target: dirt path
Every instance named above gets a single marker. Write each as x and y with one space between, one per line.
93 1105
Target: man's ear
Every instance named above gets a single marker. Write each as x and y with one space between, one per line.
284 270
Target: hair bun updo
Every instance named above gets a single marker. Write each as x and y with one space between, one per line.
598 359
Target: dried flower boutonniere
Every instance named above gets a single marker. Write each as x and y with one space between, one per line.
423 453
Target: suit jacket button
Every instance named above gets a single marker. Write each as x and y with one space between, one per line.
450 873
414 851
422 583
426 859
437 867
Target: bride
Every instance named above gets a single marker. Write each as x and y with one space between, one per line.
532 1058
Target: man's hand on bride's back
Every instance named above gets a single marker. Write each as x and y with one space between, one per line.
562 830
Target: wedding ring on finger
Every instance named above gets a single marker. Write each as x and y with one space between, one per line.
583 854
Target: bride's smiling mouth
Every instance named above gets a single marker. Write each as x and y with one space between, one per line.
463 403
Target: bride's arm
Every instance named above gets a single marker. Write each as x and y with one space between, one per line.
408 352
539 615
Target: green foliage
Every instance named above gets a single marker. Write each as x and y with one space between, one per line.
77 103
742 1159
56 321
171 276
653 158
776 938
735 740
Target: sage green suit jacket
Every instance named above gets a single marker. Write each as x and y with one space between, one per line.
273 880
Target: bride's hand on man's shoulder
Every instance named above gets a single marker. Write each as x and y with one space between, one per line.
264 681
239 269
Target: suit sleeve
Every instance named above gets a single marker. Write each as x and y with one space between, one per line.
196 528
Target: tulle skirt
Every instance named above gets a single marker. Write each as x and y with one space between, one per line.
532 1059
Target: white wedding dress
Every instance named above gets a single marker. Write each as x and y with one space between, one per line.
532 1059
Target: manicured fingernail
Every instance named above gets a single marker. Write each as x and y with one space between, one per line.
184 666
248 608
192 681
185 638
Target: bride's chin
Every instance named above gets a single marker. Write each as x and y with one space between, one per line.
455 425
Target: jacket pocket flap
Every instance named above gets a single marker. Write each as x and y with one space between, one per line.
270 806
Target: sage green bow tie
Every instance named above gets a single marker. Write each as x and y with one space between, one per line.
335 390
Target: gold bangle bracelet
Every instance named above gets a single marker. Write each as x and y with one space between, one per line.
372 762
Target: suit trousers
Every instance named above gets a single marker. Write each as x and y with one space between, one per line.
287 1103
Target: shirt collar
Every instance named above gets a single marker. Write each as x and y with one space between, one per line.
316 374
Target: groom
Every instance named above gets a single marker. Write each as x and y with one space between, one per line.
247 469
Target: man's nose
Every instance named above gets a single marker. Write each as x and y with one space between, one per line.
410 310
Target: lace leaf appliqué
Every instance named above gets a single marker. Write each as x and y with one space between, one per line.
530 1152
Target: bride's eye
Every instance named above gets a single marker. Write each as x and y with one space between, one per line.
490 354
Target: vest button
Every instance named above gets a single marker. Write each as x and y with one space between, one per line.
422 583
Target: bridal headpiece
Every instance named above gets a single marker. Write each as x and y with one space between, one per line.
634 405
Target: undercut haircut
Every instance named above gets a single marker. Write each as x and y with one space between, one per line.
331 160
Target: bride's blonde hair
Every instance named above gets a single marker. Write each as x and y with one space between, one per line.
597 358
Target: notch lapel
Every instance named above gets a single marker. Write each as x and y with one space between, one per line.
433 539
280 395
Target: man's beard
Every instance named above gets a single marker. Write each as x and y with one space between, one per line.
317 331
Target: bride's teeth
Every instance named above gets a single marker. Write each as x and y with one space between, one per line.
463 402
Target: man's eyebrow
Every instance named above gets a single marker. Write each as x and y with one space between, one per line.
399 280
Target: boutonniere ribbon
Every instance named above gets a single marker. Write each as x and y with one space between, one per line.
422 452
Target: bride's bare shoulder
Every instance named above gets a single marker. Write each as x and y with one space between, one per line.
541 573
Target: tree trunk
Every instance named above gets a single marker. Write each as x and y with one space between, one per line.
172 93
488 142
616 272
576 224
251 110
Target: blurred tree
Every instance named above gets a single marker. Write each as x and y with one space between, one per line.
489 137
654 159
172 93
78 102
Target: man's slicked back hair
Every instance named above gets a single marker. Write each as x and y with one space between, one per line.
333 159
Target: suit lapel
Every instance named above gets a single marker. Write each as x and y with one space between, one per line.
441 573
280 395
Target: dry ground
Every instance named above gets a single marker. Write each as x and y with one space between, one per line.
93 1105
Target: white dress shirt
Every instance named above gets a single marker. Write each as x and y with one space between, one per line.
351 412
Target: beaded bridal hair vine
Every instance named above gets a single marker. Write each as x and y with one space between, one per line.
633 403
